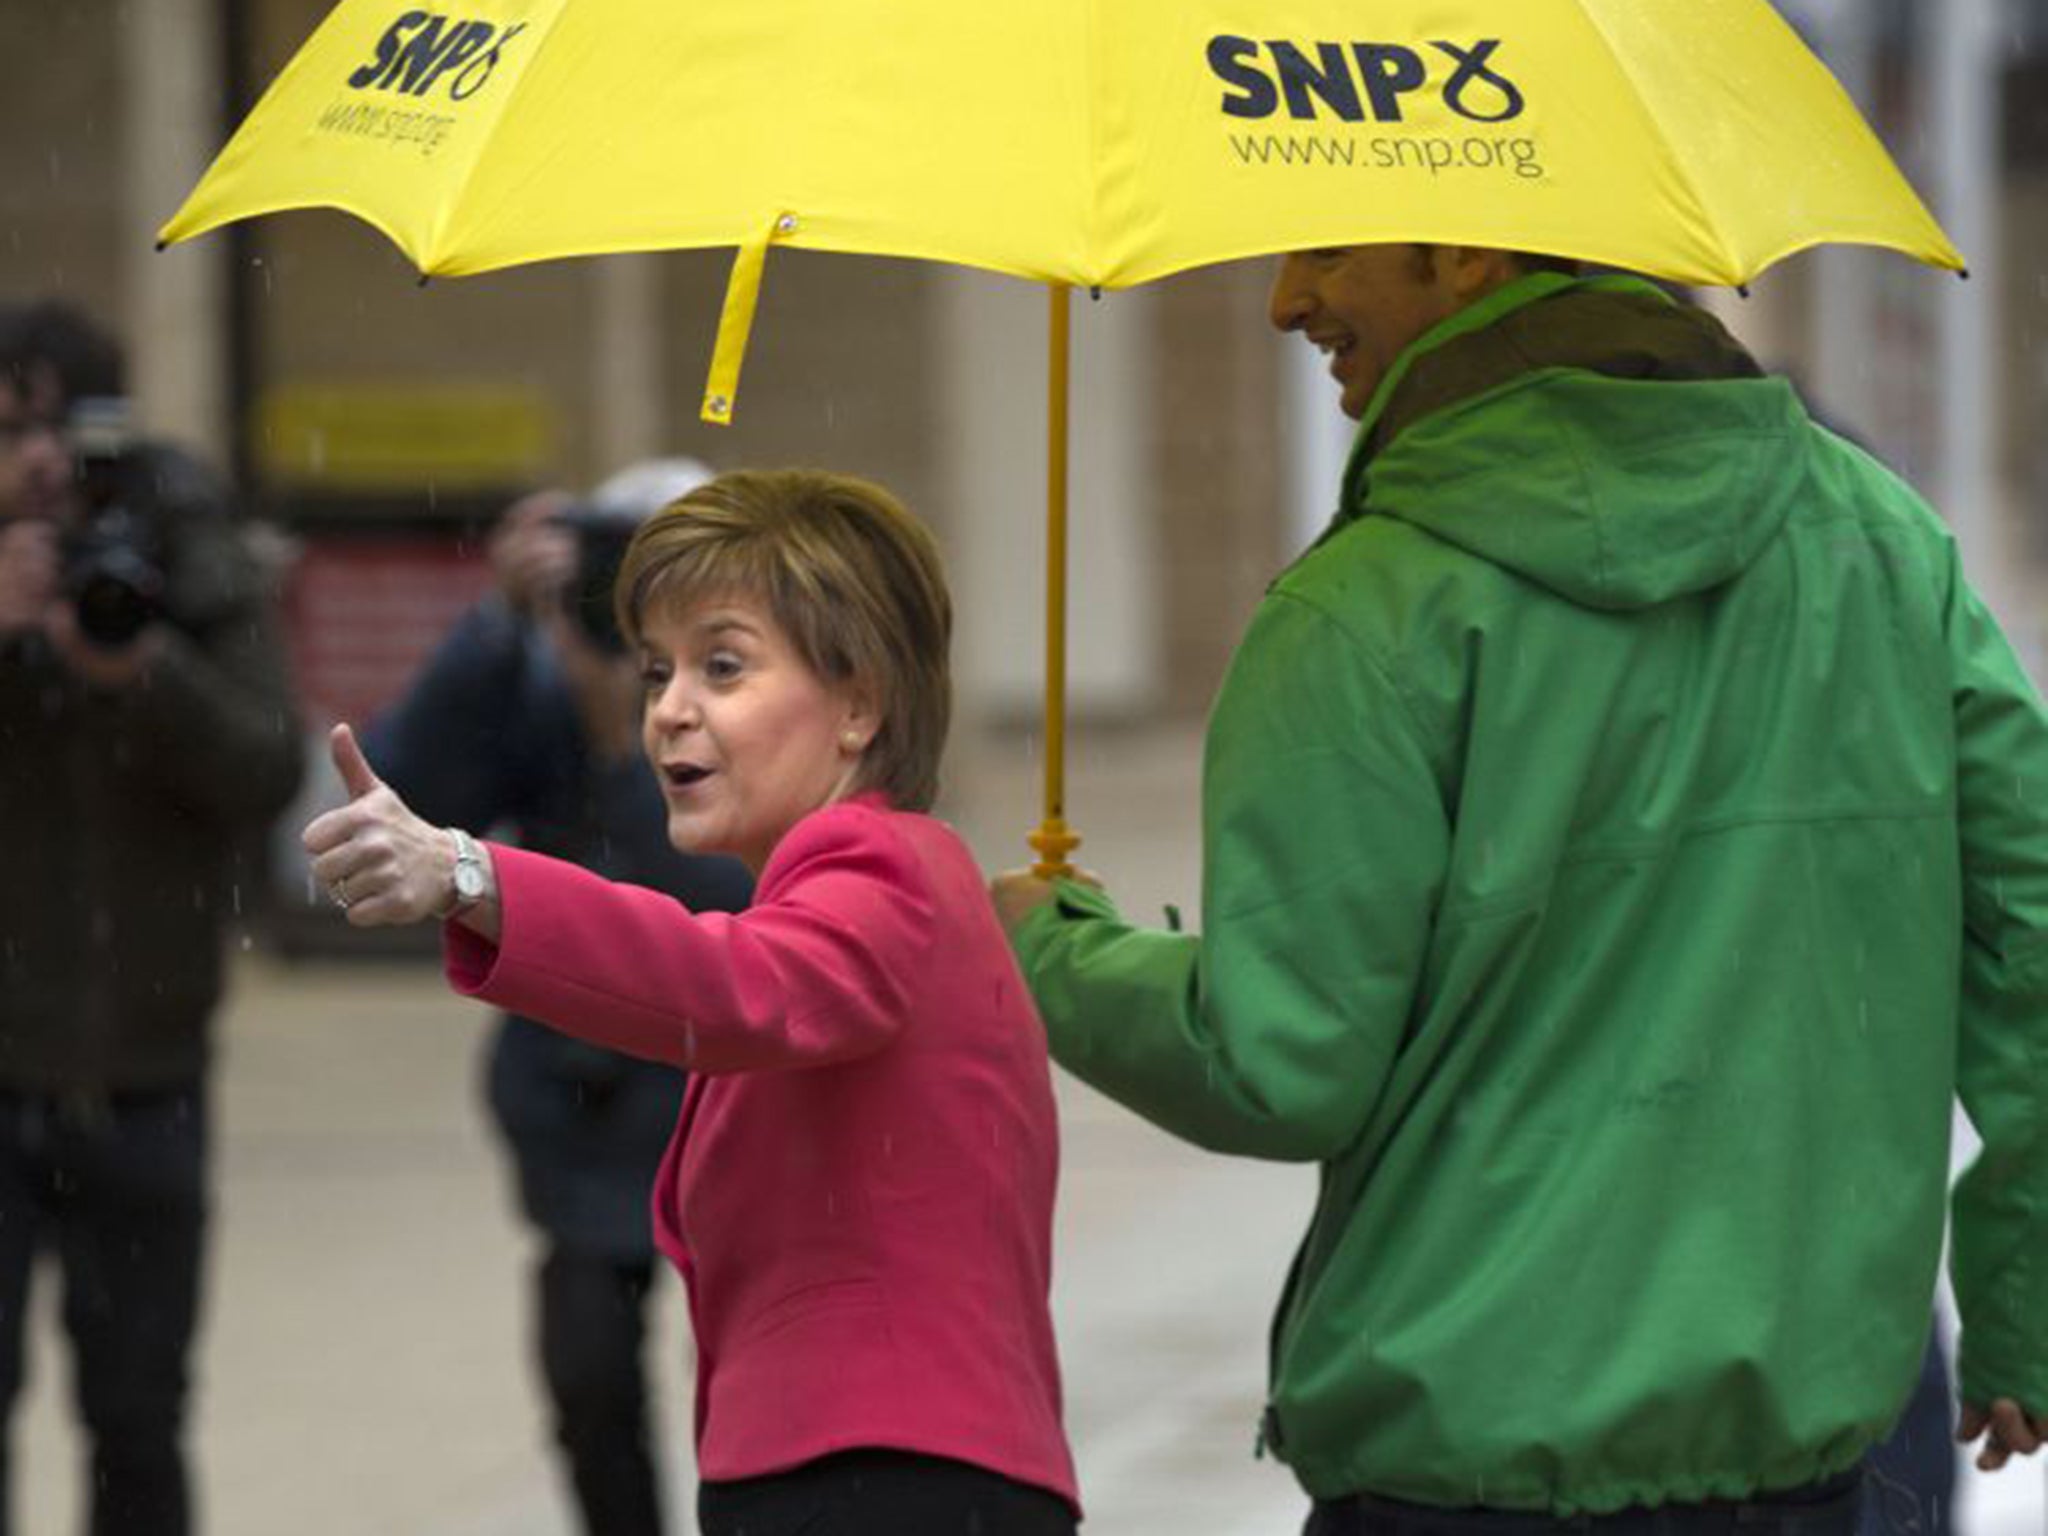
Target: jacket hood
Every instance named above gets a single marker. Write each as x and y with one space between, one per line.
1591 435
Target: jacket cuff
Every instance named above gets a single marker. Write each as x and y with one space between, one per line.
468 959
1075 899
1071 902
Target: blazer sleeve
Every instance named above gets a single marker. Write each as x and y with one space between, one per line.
1324 845
821 969
1999 1254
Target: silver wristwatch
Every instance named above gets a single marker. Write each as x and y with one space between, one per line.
470 882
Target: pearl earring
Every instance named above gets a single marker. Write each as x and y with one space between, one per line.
850 741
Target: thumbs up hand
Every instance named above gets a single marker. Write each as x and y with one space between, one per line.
382 864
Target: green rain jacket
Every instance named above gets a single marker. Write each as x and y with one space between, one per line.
1624 832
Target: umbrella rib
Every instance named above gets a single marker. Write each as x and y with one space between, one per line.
445 217
1730 263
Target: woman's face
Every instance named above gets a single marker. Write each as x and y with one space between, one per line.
745 738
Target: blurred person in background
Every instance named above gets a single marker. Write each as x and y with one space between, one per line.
147 735
527 718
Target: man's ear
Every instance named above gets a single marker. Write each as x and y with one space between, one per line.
1474 271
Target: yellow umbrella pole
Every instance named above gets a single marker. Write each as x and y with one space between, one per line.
1052 842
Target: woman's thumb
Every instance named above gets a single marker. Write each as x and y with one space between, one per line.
349 762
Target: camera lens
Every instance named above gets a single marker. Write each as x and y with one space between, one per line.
601 542
112 610
591 607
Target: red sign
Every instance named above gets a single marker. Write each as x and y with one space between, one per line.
363 615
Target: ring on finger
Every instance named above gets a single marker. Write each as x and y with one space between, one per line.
338 889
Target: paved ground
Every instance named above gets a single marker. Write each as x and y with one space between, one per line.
364 1370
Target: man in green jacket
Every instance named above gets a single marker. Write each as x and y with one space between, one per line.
1624 832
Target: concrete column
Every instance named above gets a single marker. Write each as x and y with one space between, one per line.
1966 89
628 395
1845 297
175 320
992 372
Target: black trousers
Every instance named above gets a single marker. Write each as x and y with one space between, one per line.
881 1493
1913 1473
117 1189
1824 1509
591 1316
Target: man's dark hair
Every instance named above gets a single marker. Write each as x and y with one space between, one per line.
1525 262
55 340
1537 261
16 363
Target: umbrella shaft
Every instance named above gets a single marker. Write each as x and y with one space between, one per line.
1052 841
1056 554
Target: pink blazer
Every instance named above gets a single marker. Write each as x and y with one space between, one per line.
859 1190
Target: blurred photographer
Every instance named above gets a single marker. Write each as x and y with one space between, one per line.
146 730
528 718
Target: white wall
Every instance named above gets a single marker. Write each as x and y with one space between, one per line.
992 366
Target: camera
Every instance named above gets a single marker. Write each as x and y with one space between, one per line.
113 572
112 577
601 536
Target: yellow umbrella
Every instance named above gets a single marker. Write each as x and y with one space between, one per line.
1099 143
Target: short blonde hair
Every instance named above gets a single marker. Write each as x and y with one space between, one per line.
847 573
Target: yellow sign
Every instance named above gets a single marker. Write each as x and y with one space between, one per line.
386 437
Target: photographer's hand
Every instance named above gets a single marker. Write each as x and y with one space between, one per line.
28 573
532 556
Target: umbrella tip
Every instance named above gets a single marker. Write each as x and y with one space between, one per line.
1963 273
423 280
1742 289
162 246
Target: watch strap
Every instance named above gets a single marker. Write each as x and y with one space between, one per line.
469 856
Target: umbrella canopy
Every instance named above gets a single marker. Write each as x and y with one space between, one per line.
1098 143
1093 142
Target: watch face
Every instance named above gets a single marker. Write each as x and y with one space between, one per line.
469 881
